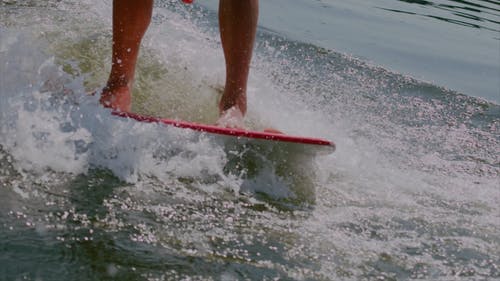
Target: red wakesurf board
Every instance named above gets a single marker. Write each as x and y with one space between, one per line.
325 145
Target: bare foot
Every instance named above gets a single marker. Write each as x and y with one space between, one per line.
231 118
117 98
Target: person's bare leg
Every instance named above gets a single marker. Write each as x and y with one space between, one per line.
238 25
131 19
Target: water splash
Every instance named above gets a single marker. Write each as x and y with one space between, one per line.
410 193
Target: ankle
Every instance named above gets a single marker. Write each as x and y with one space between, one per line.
119 81
233 102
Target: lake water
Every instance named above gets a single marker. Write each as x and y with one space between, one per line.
408 90
449 43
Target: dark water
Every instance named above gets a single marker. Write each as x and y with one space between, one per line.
412 191
482 14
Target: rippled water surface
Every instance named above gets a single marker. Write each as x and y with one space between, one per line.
412 191
450 43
